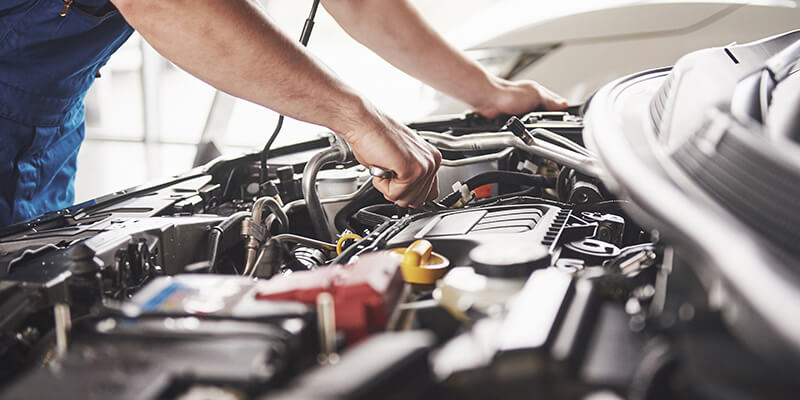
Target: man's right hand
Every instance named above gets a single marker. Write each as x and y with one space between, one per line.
382 142
234 46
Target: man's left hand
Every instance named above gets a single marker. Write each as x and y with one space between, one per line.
517 97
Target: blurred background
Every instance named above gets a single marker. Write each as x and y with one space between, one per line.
145 116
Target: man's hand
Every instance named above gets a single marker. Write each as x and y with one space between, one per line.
517 97
234 46
392 146
398 33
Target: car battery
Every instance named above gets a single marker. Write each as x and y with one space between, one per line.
177 335
209 296
365 292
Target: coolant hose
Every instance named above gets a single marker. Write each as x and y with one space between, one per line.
274 208
368 197
338 152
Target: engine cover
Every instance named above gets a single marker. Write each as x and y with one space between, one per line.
529 230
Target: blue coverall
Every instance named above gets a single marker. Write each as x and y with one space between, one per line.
47 63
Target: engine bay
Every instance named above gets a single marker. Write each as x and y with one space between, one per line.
527 277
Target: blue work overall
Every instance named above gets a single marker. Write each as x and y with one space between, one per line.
50 52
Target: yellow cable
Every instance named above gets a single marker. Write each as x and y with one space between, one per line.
342 239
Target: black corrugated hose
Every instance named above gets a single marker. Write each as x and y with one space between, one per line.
502 177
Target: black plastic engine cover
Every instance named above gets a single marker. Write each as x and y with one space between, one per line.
532 229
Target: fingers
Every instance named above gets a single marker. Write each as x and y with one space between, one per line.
413 188
517 97
429 185
550 100
411 193
434 193
426 186
388 188
393 146
382 185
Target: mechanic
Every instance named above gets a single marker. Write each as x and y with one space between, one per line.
51 51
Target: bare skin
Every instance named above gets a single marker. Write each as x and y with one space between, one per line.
234 46
397 32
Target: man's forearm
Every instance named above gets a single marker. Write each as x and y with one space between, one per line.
395 30
234 46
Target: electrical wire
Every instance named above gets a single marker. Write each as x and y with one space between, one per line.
265 152
305 35
502 177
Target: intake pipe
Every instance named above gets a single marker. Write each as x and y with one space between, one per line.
501 140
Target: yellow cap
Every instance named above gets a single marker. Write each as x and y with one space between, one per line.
420 264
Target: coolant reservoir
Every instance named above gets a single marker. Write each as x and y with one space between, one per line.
463 291
338 183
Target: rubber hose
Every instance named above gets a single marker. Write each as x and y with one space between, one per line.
372 196
338 152
275 209
215 236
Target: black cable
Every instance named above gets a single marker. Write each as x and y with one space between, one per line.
309 25
228 183
503 177
533 191
265 152
305 35
503 200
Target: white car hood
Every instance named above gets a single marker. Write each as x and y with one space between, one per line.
526 23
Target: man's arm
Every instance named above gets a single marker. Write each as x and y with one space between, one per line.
394 30
234 46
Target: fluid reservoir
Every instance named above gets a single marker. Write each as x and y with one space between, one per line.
465 293
339 182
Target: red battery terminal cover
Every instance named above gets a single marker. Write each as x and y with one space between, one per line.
364 292
483 192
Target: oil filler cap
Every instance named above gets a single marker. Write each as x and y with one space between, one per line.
508 261
420 264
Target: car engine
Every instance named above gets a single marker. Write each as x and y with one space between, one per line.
538 272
